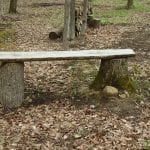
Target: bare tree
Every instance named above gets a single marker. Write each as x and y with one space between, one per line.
66 32
129 4
84 18
72 20
1 7
13 6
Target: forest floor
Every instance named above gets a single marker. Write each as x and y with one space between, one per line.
60 112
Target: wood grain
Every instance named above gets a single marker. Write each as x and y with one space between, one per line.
65 55
11 84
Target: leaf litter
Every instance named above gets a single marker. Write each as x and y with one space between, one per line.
56 114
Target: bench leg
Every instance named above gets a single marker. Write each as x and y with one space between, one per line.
114 72
11 84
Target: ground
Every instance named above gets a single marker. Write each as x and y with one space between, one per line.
59 111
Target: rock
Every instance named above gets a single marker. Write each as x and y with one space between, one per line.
123 96
4 123
126 93
110 91
142 103
77 136
92 106
65 137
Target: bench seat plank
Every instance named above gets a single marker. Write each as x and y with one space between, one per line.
65 55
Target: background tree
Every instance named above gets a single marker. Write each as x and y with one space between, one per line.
66 32
13 6
72 20
84 17
1 7
129 4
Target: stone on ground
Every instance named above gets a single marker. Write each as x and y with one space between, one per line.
110 91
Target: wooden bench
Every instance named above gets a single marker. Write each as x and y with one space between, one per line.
12 68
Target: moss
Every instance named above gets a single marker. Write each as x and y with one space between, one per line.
126 83
115 12
97 84
6 38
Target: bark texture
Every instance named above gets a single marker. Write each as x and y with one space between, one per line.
11 84
1 7
114 73
66 32
129 4
84 17
13 6
72 20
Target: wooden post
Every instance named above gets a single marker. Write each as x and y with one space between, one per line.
114 72
11 84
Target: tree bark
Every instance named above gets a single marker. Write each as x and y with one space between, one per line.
114 73
1 7
84 17
78 21
11 84
129 4
66 32
72 20
13 6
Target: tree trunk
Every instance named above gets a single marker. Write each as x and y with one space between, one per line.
1 7
72 20
13 6
11 84
78 21
114 73
84 18
129 4
66 32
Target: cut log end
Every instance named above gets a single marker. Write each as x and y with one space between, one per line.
56 34
93 22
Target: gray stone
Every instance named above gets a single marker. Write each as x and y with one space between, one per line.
110 91
123 96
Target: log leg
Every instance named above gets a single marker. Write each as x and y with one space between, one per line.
11 84
114 72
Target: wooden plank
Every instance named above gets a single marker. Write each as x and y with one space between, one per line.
65 55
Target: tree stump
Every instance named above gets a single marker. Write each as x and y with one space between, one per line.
93 22
114 72
11 84
56 34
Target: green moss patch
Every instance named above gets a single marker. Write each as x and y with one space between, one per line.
127 84
6 38
115 12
